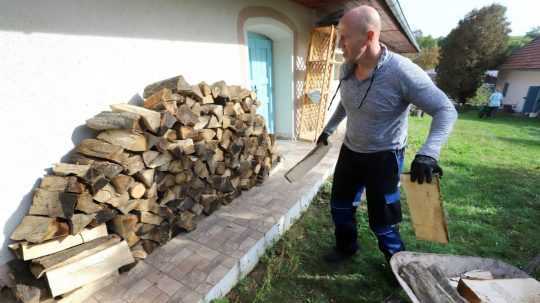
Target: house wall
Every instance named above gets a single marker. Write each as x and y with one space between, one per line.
63 61
519 82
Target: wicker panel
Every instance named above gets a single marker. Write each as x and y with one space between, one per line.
318 76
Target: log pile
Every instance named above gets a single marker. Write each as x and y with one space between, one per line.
150 173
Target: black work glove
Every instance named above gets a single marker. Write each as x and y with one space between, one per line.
323 138
423 168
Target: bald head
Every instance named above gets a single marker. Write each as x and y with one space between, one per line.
362 19
359 30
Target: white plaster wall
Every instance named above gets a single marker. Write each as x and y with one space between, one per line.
63 61
520 81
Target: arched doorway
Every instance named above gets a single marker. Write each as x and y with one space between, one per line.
270 47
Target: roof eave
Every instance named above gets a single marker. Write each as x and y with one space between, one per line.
395 7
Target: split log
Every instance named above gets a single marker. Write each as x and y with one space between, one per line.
100 149
104 215
186 132
150 118
153 101
122 183
426 286
27 294
148 205
137 190
168 120
203 122
170 135
110 120
35 229
185 221
182 147
53 204
125 226
150 218
128 206
134 164
86 204
161 160
124 138
146 176
138 251
172 84
79 221
186 116
66 169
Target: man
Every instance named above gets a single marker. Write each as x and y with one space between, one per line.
377 88
494 103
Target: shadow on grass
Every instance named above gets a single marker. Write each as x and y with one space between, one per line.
521 141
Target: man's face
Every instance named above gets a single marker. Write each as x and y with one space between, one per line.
353 44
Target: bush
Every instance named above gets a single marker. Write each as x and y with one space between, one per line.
482 96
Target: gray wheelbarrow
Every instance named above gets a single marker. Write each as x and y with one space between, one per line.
452 266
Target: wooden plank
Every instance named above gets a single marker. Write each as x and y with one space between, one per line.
72 276
72 255
29 251
85 292
150 118
500 290
298 171
426 209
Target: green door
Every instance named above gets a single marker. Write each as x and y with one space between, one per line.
260 73
532 100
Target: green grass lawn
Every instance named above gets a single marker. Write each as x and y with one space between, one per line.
491 191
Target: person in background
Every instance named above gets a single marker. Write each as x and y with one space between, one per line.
494 103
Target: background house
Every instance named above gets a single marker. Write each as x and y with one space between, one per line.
519 77
63 61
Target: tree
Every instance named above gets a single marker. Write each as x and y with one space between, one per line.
477 44
533 33
428 57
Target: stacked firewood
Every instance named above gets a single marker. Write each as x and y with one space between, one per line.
150 173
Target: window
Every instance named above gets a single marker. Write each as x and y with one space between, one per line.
505 89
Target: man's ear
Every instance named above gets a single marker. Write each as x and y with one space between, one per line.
370 35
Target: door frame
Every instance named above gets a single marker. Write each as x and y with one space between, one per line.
284 45
270 70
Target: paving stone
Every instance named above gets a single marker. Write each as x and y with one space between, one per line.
149 295
204 288
163 298
217 274
186 268
136 290
168 285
